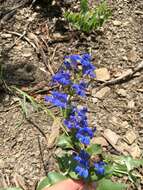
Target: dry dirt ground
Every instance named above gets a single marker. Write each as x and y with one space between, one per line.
118 46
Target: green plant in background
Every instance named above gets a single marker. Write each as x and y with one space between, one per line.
89 19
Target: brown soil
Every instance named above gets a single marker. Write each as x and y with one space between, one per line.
118 46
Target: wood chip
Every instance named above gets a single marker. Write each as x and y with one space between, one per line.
100 140
55 131
135 151
130 137
111 137
123 147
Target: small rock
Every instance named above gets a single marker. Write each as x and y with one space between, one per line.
100 140
130 137
111 137
27 52
116 23
135 151
94 100
122 92
131 104
101 93
124 58
132 56
102 74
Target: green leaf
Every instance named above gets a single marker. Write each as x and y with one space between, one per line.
127 163
55 177
43 183
65 142
52 178
66 163
94 149
73 175
106 184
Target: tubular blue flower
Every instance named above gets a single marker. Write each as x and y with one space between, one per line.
82 172
99 167
58 99
86 56
84 135
88 68
80 88
62 77
72 123
83 139
72 61
82 159
77 119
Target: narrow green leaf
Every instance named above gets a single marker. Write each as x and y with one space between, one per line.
65 142
84 6
94 149
43 183
106 184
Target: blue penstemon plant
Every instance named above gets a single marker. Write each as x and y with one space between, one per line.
80 158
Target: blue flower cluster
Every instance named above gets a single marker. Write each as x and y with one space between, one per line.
62 77
69 79
99 167
77 120
83 160
74 61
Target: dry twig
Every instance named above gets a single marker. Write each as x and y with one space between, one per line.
126 76
24 37
42 53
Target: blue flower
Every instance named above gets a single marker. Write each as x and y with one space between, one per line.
99 167
80 88
72 122
82 172
82 159
58 99
62 77
76 119
84 135
88 68
72 61
86 56
83 139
